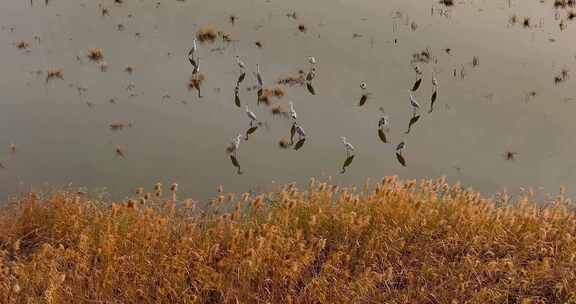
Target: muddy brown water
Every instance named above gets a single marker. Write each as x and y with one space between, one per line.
480 114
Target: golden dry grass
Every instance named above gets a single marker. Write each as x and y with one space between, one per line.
394 242
22 45
207 33
95 54
195 81
54 73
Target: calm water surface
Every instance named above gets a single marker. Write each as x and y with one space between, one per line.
179 137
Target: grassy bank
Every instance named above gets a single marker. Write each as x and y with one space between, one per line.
396 242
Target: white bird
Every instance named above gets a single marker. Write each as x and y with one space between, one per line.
236 143
311 74
196 68
348 146
311 59
251 115
241 64
384 122
193 49
401 146
363 85
434 80
259 76
415 105
417 70
292 111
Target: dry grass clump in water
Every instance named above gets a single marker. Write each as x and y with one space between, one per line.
267 94
22 45
279 110
293 80
284 143
266 97
226 37
562 77
118 126
196 81
423 56
278 92
526 23
207 33
395 242
95 54
447 2
564 3
56 73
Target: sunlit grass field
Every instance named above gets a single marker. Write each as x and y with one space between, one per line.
390 242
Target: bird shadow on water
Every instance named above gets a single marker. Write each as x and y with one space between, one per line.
432 101
240 78
299 144
347 163
401 159
237 98
250 131
416 85
236 164
382 135
363 99
412 121
310 88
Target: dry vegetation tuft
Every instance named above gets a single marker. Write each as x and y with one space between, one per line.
54 73
396 242
195 81
95 54
207 33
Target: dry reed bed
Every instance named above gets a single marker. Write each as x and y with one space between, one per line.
400 242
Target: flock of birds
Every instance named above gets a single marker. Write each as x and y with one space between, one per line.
297 131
